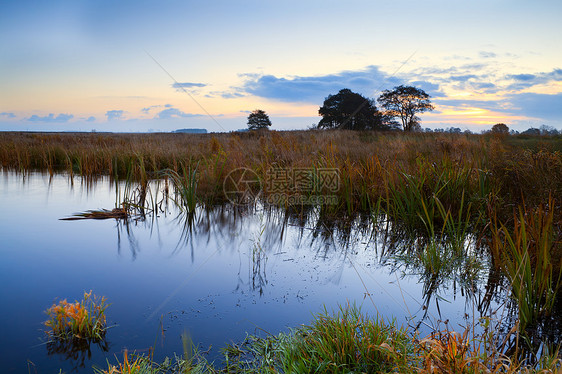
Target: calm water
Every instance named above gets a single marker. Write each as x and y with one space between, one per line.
163 277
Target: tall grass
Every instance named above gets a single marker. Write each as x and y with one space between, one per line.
401 168
185 187
525 253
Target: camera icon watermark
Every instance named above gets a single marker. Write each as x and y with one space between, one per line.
242 186
284 186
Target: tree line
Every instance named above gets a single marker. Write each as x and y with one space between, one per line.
352 111
400 108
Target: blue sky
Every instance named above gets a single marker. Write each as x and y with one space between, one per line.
163 65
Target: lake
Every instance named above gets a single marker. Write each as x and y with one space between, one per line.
222 274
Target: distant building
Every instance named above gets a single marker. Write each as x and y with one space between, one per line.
191 131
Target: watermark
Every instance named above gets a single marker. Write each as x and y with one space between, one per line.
242 186
284 186
285 199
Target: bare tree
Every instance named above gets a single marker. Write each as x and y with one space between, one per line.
405 102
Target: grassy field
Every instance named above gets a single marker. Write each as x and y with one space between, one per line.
504 191
518 168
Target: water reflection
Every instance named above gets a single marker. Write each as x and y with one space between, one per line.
445 268
76 351
222 270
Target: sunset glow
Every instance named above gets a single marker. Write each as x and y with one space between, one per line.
140 66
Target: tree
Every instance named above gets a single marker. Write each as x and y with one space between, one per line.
532 131
350 110
405 102
258 119
549 130
500 129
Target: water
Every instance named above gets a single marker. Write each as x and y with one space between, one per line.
229 274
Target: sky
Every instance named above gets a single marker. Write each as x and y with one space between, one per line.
138 66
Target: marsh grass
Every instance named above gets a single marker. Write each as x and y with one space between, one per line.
348 341
403 169
342 342
445 191
525 253
83 319
192 361
185 186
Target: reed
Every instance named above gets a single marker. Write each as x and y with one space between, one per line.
525 253
431 195
184 186
404 169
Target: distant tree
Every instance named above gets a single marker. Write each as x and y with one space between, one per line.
532 131
500 128
405 102
549 130
350 110
258 119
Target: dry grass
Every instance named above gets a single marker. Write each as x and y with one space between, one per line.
368 162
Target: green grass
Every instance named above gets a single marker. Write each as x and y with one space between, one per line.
525 254
347 341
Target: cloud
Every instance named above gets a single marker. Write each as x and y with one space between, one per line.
522 77
431 89
149 108
485 54
542 107
91 119
314 88
462 78
462 104
51 118
8 115
174 113
527 80
487 86
231 95
538 105
186 85
114 114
